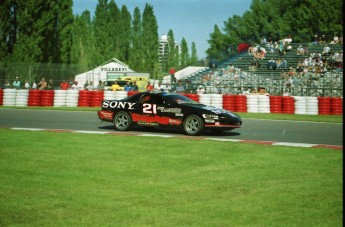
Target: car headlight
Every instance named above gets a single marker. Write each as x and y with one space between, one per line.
210 116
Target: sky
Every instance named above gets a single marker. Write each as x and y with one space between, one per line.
193 20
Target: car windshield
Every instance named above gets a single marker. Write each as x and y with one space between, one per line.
179 99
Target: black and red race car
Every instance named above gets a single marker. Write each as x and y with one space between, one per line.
167 110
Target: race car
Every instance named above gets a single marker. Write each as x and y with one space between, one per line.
170 110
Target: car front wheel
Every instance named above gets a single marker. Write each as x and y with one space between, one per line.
193 125
122 121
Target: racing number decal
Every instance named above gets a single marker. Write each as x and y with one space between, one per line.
149 108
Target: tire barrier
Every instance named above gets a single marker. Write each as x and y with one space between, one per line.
109 95
276 104
324 105
264 104
312 105
72 98
84 99
234 103
336 106
194 97
120 94
1 96
96 98
216 100
34 98
252 103
9 98
47 98
241 103
288 105
22 98
300 105
60 98
229 102
205 99
130 93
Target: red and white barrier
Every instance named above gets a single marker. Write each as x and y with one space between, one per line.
234 103
1 96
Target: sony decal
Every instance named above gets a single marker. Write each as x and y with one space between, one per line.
118 105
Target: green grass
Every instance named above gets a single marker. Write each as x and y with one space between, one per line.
70 179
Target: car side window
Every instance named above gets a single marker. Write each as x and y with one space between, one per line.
145 99
157 100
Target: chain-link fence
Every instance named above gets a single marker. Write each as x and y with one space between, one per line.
32 72
327 84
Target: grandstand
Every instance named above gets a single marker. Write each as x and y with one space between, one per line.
328 84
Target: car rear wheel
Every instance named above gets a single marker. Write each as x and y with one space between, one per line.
122 121
193 125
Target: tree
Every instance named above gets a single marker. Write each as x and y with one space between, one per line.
173 60
136 47
150 40
194 57
83 42
218 45
103 43
184 54
124 33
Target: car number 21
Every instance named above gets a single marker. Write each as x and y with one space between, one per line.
149 108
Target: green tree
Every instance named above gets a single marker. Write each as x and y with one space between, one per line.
103 43
218 45
83 42
194 56
136 47
184 54
150 40
113 32
173 60
124 33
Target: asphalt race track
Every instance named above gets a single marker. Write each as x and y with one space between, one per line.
252 129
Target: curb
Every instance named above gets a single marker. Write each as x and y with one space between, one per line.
272 143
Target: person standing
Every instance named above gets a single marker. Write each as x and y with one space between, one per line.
172 75
86 85
179 87
42 85
128 86
90 86
50 85
149 86
27 84
16 83
100 86
34 85
135 86
159 87
115 86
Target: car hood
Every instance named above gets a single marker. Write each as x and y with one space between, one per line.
209 109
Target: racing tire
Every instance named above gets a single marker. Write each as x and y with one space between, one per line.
122 121
193 125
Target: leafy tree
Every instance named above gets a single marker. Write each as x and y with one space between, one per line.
218 45
124 33
150 40
194 56
136 48
101 25
172 51
184 54
83 42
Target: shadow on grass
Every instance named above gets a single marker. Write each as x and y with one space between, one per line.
207 133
